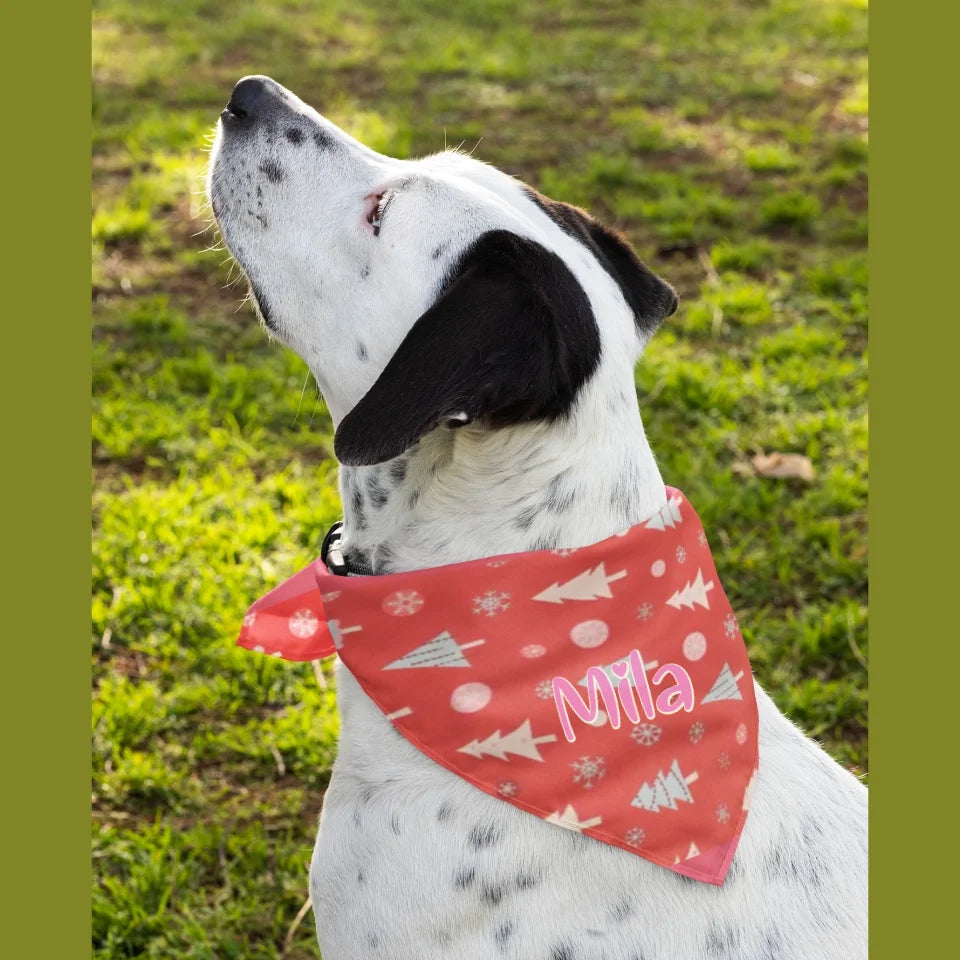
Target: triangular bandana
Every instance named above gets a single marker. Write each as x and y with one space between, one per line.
664 724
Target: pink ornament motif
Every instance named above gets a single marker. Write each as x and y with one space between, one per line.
694 646
741 734
507 788
589 634
646 734
533 650
402 603
303 624
696 731
635 836
658 568
470 697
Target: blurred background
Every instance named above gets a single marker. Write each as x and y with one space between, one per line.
727 139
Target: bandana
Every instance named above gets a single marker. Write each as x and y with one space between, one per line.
605 689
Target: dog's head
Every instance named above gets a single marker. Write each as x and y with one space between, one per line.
421 293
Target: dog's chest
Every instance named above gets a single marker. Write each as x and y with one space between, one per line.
412 861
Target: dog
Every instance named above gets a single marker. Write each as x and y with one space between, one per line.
475 344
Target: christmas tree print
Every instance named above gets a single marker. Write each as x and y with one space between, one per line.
589 585
666 790
569 819
694 592
522 742
724 687
337 632
442 651
668 517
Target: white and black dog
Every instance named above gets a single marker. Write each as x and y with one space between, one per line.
475 343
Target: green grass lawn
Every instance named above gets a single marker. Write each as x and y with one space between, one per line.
727 139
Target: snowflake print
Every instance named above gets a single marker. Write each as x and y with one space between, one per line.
507 788
730 625
533 650
403 603
723 814
696 732
645 611
563 551
545 689
702 539
741 734
646 734
303 624
635 836
496 563
588 770
327 597
491 603
681 554
723 761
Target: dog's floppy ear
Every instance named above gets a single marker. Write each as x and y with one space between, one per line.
511 337
650 298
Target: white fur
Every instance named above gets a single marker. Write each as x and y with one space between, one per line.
396 871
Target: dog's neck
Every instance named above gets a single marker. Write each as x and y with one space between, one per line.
466 493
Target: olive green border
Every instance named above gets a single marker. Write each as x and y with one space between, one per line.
45 349
914 386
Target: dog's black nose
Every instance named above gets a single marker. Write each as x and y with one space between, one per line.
248 97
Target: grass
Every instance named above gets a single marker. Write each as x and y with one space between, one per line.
727 139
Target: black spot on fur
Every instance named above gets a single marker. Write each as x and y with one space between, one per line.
361 352
323 140
524 519
383 560
492 894
559 499
511 338
398 471
502 934
722 942
621 910
294 135
444 812
650 298
360 877
259 191
562 951
482 837
464 878
438 252
413 499
373 940
365 272
395 825
378 496
355 816
273 170
263 221
526 881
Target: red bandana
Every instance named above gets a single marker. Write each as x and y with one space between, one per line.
628 645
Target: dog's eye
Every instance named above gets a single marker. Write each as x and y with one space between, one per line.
376 215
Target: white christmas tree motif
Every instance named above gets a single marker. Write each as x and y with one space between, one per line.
613 678
646 734
668 516
696 731
694 592
507 788
496 563
724 687
694 851
702 539
666 790
521 741
303 624
329 597
337 632
403 603
545 689
681 554
723 814
589 585
645 611
570 820
588 771
564 551
635 836
442 651
491 603
730 625
398 714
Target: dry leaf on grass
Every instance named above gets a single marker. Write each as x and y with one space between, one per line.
782 465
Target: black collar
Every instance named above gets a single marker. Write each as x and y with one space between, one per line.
334 559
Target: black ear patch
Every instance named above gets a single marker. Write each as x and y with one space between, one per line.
510 338
650 298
